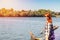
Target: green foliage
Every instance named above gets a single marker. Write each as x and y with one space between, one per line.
23 13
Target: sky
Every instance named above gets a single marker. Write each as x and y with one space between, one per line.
53 5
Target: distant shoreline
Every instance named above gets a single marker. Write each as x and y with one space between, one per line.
26 13
21 16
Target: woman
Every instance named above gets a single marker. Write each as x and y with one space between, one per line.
49 31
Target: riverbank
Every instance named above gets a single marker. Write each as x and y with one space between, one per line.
25 13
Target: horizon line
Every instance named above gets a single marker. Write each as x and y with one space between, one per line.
31 9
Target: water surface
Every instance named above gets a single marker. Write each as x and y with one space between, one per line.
18 28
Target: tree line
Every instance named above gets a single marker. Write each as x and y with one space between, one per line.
25 13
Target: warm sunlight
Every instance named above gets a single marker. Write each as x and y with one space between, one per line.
29 19
5 3
9 4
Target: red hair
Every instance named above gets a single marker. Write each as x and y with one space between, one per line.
48 17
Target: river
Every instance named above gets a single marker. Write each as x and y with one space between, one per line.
18 28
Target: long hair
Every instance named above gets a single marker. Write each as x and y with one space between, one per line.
48 17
